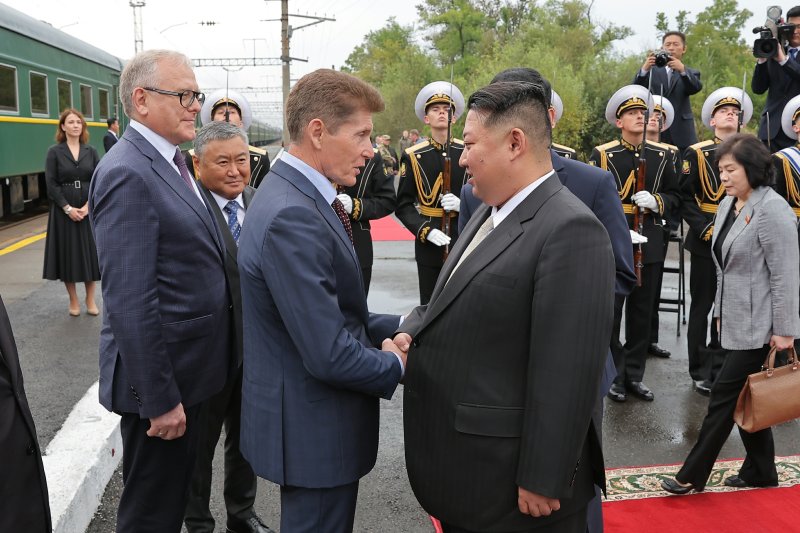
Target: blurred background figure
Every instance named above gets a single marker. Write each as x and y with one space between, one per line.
70 254
112 135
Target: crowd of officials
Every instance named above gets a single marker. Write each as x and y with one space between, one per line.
262 327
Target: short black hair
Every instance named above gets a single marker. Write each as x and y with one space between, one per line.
751 153
110 121
674 32
526 74
520 103
794 12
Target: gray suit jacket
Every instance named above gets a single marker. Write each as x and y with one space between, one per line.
758 282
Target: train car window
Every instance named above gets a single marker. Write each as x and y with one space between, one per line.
86 101
39 100
64 94
8 89
103 103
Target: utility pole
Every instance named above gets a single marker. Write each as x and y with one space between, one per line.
138 42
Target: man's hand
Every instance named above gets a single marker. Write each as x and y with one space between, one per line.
649 63
347 202
403 341
645 200
450 202
437 237
780 55
171 425
389 346
676 65
637 238
535 504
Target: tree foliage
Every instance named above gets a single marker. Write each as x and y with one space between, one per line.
563 39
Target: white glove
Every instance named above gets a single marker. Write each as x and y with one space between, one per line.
437 237
450 202
646 200
347 202
637 238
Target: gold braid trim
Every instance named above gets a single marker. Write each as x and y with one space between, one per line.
705 179
707 235
796 211
660 203
356 214
628 185
424 233
792 194
425 199
434 211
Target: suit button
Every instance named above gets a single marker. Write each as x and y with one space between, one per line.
415 343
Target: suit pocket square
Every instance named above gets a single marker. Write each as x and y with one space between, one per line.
489 421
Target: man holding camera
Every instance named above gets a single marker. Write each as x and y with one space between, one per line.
677 83
780 75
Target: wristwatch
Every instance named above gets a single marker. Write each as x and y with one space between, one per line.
68 209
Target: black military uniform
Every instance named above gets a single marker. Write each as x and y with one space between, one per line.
787 176
419 207
564 151
702 191
622 159
373 197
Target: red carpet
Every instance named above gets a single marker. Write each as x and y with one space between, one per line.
389 229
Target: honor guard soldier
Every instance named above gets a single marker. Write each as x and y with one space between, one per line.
421 201
702 190
371 197
659 195
232 107
787 161
558 106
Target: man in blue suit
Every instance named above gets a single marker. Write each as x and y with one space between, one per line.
312 371
165 345
597 189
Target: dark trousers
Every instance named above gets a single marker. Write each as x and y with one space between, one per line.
655 321
329 510
573 523
427 280
366 276
702 288
759 464
156 474
239 490
630 361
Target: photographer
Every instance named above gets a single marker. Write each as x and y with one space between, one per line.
780 75
678 82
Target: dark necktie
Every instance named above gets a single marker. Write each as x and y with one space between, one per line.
793 53
232 208
180 162
343 218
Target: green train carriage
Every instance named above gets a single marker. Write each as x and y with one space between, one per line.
43 71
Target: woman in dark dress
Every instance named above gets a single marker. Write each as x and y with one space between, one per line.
70 254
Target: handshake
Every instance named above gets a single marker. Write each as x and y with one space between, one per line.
399 346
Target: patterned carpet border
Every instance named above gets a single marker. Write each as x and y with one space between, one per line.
645 481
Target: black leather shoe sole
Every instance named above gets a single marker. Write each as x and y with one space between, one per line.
703 387
638 389
739 483
673 487
617 393
658 351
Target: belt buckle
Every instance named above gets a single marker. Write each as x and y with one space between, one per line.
77 184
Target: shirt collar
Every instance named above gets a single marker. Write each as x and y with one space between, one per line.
222 202
629 146
162 146
320 182
499 215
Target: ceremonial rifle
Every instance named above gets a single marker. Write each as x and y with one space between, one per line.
740 123
641 174
446 170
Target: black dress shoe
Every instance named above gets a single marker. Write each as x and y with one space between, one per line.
703 387
617 393
251 525
673 487
739 483
640 390
658 351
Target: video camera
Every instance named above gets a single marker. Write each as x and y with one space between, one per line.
774 33
662 58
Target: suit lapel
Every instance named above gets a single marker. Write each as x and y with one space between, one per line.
230 245
741 222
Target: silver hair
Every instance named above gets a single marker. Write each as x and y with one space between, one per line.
216 131
142 71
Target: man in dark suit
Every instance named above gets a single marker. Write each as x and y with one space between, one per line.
595 188
370 198
779 75
222 165
110 138
678 82
165 345
23 488
312 372
498 422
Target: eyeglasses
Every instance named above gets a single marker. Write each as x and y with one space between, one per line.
186 97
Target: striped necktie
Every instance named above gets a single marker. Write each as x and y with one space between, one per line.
232 208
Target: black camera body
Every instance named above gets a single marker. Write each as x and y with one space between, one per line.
662 58
774 33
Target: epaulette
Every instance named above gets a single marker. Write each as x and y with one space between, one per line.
257 150
562 147
663 146
701 144
608 145
418 146
457 141
672 147
375 150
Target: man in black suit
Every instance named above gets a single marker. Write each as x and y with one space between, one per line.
110 138
23 488
779 75
498 414
679 82
222 165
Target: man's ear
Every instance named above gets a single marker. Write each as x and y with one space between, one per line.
517 142
139 99
551 112
314 131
